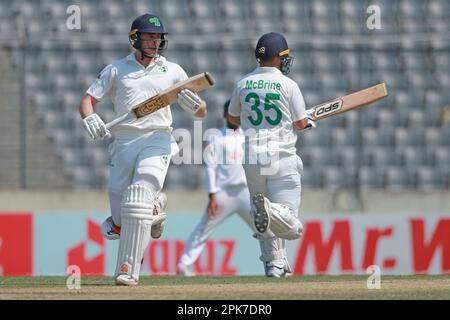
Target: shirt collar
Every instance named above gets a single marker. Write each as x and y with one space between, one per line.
268 70
160 61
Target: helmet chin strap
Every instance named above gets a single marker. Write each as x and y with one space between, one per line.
143 54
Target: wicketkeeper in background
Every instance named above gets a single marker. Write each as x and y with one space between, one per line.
142 148
271 105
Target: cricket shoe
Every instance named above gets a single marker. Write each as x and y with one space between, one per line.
126 280
159 216
261 217
183 270
275 271
109 230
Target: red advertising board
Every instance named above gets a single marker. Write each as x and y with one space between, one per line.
16 244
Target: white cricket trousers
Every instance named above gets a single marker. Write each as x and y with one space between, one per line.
138 159
282 186
231 200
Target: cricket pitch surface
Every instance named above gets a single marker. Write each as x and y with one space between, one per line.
229 288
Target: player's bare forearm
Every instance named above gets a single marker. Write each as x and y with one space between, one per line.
201 112
234 120
87 106
301 124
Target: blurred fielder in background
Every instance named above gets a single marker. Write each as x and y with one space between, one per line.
142 148
270 104
227 189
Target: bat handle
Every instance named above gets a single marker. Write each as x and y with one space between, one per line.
117 120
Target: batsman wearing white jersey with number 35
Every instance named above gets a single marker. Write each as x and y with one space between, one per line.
142 148
271 106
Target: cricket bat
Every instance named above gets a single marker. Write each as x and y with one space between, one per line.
349 102
196 83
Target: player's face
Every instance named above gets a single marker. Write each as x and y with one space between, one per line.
229 124
150 43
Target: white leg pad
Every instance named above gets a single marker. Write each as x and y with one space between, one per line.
271 248
284 223
137 220
273 253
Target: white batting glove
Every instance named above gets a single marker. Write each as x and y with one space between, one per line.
189 101
310 125
96 127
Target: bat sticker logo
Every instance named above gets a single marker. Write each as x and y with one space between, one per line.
149 107
327 108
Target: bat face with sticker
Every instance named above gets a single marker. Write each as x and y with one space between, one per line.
349 102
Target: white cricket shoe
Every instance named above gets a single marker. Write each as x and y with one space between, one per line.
272 270
261 217
158 211
109 230
126 280
183 270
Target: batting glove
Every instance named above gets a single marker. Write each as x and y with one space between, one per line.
189 101
96 127
310 125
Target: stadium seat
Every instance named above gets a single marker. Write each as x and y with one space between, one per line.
172 11
427 178
82 178
25 9
412 10
435 137
398 178
345 137
311 177
415 61
410 156
352 9
379 118
313 138
377 156
335 178
437 10
138 7
316 156
345 156
441 156
204 9
370 177
435 99
406 99
115 10
408 137
383 61
234 9
376 137
422 80
295 9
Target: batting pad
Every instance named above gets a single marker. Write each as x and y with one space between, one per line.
283 222
137 220
271 248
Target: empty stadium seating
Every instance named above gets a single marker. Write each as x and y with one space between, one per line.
401 143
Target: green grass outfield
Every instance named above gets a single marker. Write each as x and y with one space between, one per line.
230 288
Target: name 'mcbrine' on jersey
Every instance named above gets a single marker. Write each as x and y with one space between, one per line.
268 103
